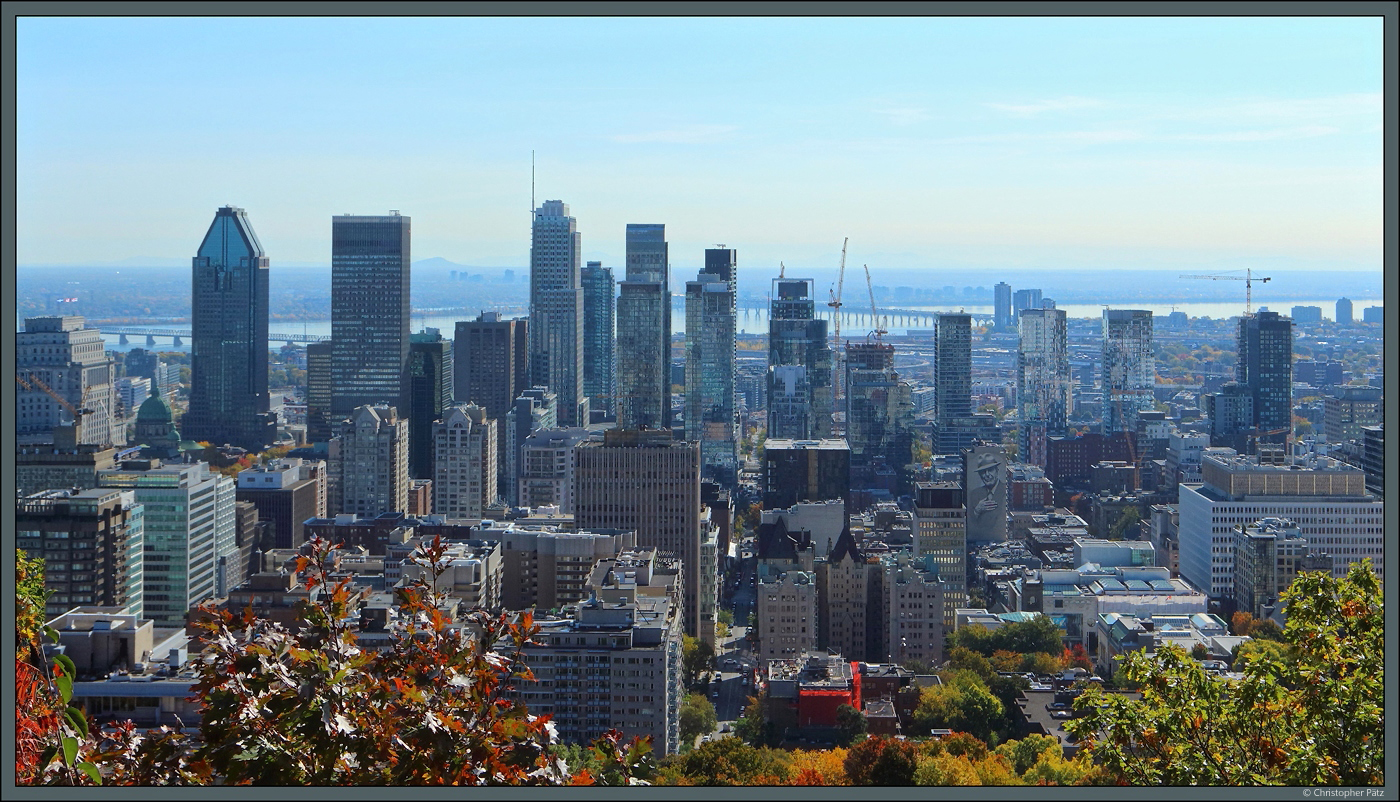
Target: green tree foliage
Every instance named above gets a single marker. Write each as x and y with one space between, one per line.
725 616
962 704
1022 637
1316 719
754 726
1126 525
697 716
1199 652
727 761
882 761
697 657
851 723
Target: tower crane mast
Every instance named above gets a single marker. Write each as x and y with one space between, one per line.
835 304
1248 278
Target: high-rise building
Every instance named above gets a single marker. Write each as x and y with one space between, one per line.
879 418
710 347
1001 309
318 391
799 364
534 409
546 476
1043 389
370 265
1373 314
1344 311
1269 555
464 463
851 616
916 606
228 342
556 309
1129 370
70 359
1024 299
190 534
952 345
599 317
806 470
373 464
93 544
645 481
490 361
429 396
1264 364
644 331
940 534
1347 411
286 492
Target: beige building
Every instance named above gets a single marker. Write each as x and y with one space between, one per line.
374 462
786 608
546 568
915 607
852 615
940 532
464 463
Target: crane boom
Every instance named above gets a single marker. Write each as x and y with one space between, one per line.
874 314
1248 278
835 304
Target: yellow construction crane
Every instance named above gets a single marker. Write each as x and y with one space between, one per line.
35 384
874 314
782 268
1248 279
835 304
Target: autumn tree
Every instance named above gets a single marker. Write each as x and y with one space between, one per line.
1314 719
881 761
728 761
851 724
697 657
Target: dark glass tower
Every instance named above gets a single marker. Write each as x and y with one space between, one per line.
430 394
1264 364
599 315
228 343
369 312
644 331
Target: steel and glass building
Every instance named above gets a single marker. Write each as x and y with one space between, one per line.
599 316
430 394
556 310
1001 315
644 331
710 344
370 264
1129 369
1043 390
1264 364
799 364
879 418
228 342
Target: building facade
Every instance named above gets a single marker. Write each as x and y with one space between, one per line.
546 477
93 546
799 364
711 416
940 535
1129 369
373 464
70 358
599 344
556 309
370 271
1264 364
464 459
430 377
1043 389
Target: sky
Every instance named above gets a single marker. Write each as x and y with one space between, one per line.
932 143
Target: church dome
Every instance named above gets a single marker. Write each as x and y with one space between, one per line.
155 410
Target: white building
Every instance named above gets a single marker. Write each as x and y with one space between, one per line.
915 610
132 391
546 473
1327 499
464 463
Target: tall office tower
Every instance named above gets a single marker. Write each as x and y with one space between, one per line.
190 543
546 475
1129 370
1001 314
140 362
952 365
1264 364
879 418
464 451
370 265
940 533
799 364
536 408
93 542
319 427
1024 299
556 310
644 331
429 395
373 462
649 483
1344 311
491 361
710 346
599 317
1043 391
228 337
70 359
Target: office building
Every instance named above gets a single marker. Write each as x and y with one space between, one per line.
1001 307
46 467
1373 314
645 481
915 607
1043 391
599 318
1129 369
286 492
190 536
546 568
1264 364
1327 499
1350 410
536 408
546 477
93 545
643 366
373 465
952 366
464 463
1307 314
940 535
786 610
228 342
1023 300
1231 415
490 359
132 391
711 417
1344 312
319 419
556 310
879 418
370 264
806 470
1269 555
851 616
70 359
799 364
430 378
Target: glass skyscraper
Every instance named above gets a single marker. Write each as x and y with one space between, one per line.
799 364
599 316
1043 392
644 331
556 310
1264 364
710 343
370 266
1129 371
228 343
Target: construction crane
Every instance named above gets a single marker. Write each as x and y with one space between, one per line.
835 304
1248 279
35 384
879 331
782 268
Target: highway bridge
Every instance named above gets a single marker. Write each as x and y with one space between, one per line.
179 335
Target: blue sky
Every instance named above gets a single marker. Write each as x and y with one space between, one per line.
930 142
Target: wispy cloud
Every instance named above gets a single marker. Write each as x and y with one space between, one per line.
684 135
904 115
1297 110
1048 105
1297 132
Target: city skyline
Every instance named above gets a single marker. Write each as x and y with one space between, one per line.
931 142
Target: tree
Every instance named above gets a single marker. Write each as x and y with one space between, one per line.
818 767
754 726
730 761
697 716
1316 719
882 761
697 657
1199 652
1126 523
851 723
725 616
